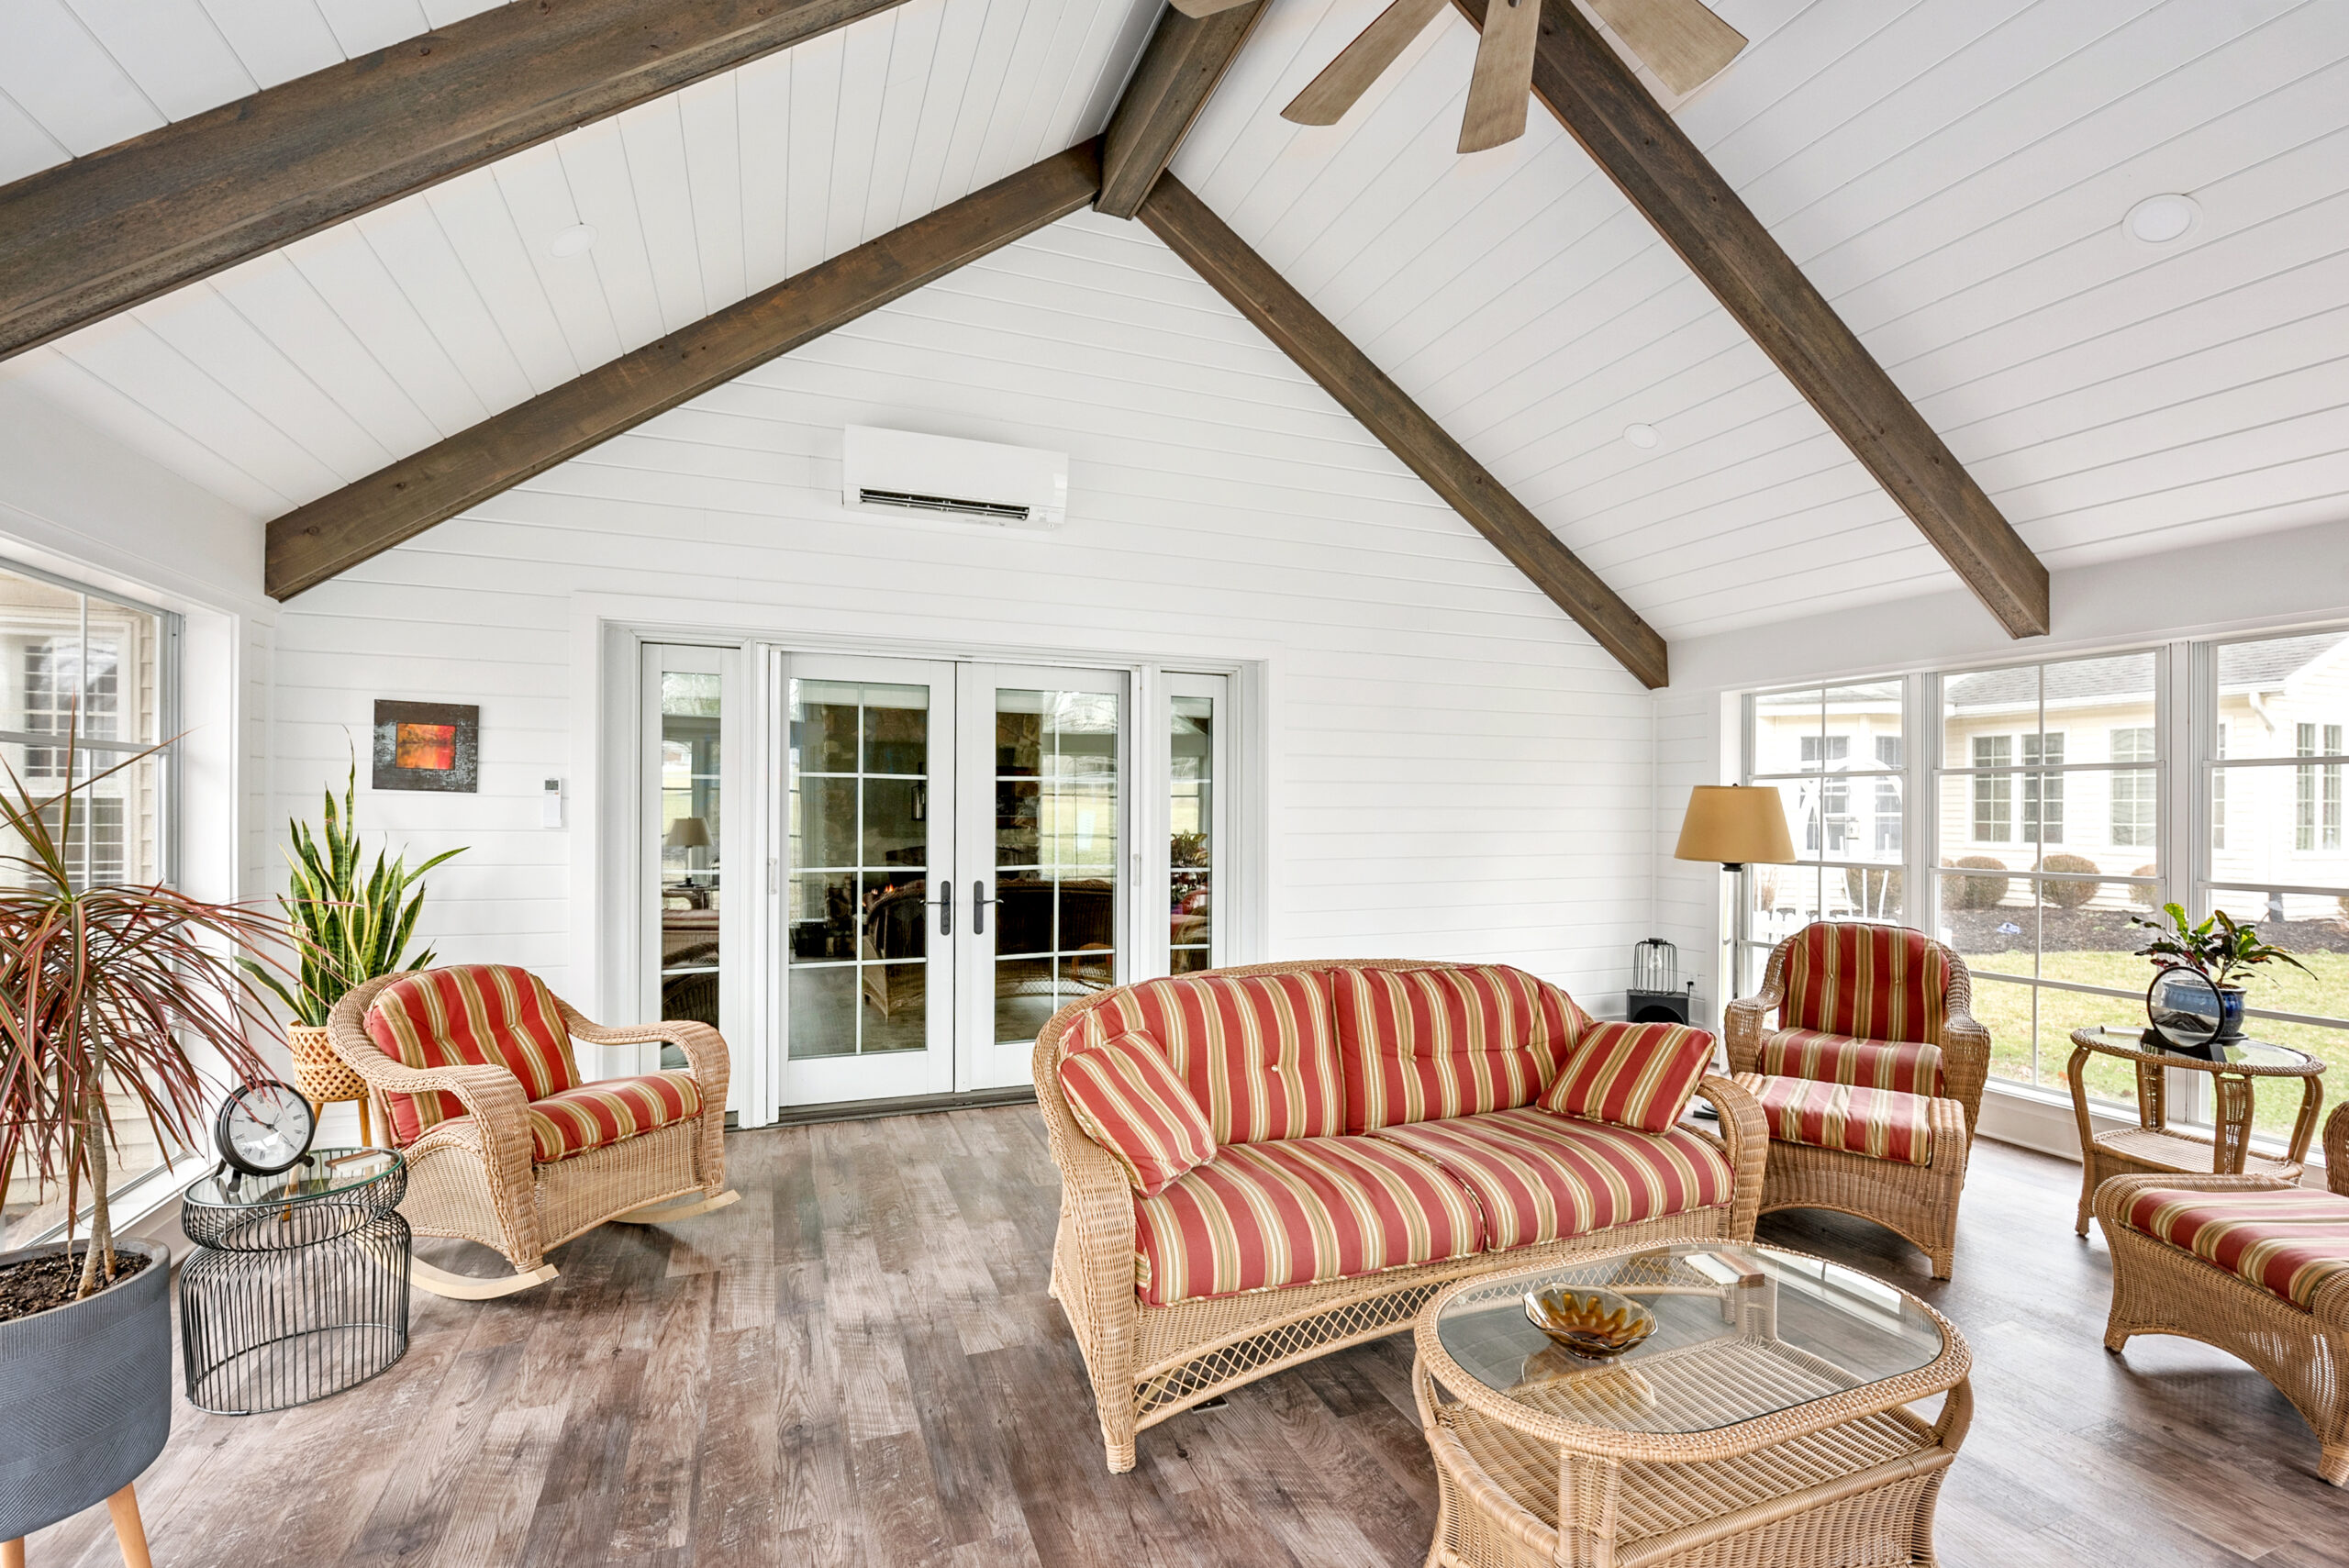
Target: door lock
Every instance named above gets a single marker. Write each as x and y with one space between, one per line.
945 907
979 901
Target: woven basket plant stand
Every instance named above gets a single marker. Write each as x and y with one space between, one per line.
1645 1463
2161 1289
2152 1147
324 1080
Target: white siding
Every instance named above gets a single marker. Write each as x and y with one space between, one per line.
1456 769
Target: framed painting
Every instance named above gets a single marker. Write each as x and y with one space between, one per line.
427 745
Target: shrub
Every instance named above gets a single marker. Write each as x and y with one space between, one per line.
1872 892
1975 892
2144 892
2070 892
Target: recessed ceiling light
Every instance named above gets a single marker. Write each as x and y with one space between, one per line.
572 242
2157 220
1641 436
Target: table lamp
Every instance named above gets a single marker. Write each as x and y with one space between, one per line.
687 833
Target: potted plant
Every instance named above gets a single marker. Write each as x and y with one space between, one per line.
2219 948
109 998
349 930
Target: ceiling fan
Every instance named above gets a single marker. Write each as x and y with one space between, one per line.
1682 40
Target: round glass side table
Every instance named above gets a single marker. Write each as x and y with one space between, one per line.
297 1287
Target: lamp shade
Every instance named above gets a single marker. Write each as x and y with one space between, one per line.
688 833
1735 825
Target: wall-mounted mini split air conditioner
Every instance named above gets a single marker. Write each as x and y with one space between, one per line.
898 473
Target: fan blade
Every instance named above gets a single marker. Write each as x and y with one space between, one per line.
1196 8
1681 40
1503 82
1344 80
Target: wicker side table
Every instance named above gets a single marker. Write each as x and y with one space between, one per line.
1732 1438
297 1287
2152 1147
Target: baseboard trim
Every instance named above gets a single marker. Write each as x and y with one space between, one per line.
909 1105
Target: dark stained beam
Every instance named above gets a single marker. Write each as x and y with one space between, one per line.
337 531
1249 281
103 233
1187 57
1627 133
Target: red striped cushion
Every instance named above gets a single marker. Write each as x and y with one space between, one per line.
1635 1075
1912 1067
474 1014
1880 1123
1294 1212
593 1115
1448 1040
1129 1101
2286 1243
1851 977
1539 1177
1256 1051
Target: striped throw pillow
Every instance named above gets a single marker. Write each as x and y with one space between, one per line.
1635 1075
1129 1101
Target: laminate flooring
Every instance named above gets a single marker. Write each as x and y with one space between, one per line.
858 1365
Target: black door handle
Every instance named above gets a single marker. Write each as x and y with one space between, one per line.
945 907
979 901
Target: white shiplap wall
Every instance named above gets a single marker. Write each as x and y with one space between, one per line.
1457 771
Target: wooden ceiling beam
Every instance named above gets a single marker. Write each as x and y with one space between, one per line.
103 233
1602 105
1187 57
1249 281
337 531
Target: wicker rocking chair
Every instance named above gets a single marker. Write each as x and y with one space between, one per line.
474 1072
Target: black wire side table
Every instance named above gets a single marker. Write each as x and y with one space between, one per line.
297 1287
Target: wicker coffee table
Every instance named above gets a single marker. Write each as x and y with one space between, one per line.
2154 1147
1760 1424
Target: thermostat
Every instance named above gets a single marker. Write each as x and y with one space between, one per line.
550 804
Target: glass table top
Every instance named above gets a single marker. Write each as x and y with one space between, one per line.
2242 1053
1742 1331
319 1173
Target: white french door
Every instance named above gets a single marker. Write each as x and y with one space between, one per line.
954 867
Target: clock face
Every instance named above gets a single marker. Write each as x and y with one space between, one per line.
265 1127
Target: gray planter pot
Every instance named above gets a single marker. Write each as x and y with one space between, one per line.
86 1389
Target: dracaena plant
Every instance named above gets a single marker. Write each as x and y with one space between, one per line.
349 928
2219 946
109 996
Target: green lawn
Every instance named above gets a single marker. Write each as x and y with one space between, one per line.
2005 1009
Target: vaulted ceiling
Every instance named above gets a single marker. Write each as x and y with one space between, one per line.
1950 174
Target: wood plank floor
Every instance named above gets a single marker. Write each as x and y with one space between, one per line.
858 1365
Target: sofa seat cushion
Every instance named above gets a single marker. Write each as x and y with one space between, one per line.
1634 1076
1882 1123
469 1016
1297 1211
1539 1177
1257 1051
609 1110
2289 1243
1423 1043
1867 981
1906 1066
1129 1101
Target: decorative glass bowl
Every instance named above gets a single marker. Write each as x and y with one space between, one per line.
1593 1324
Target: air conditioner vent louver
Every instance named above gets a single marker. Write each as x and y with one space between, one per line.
993 511
907 475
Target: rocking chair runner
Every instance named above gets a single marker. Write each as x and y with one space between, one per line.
474 1070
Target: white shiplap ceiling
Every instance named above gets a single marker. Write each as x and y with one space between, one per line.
1952 174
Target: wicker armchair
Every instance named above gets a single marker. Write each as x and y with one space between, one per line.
485 1175
1886 1010
2159 1286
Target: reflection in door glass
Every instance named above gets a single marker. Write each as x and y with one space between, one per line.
690 837
1056 853
1190 937
860 849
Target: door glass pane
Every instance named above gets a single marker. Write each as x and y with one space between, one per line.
691 829
858 917
1056 853
1190 935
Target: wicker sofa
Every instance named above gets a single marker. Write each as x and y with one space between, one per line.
1375 1136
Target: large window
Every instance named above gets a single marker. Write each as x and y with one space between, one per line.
1835 755
90 679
